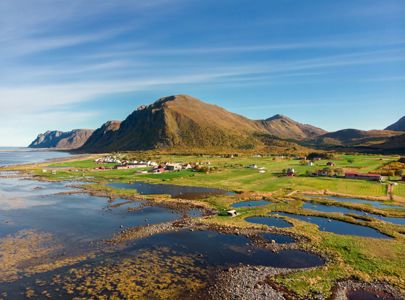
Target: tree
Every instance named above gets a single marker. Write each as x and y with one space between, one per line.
400 172
339 172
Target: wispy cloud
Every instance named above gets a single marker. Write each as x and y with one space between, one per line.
57 55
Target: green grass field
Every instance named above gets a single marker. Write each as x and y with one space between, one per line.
232 174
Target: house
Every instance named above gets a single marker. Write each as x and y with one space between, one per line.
252 166
330 164
310 163
130 166
290 172
262 171
372 177
158 170
173 167
187 166
323 172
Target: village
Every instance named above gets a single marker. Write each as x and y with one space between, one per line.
316 168
150 166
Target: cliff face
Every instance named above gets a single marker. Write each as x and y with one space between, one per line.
62 140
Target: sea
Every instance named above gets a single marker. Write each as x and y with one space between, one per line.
21 155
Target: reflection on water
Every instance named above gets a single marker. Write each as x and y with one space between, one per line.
335 226
368 295
176 191
252 203
269 221
376 204
27 204
278 238
345 210
159 264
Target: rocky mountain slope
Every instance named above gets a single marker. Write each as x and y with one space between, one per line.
62 140
179 121
102 137
397 126
183 121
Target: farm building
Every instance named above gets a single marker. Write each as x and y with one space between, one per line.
373 177
290 172
173 167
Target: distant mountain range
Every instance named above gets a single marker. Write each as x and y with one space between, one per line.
62 140
184 122
354 137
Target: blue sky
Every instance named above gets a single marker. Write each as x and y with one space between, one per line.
76 64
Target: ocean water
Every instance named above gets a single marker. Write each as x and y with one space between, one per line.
14 155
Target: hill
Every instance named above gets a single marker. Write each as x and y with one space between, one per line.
62 140
397 126
282 126
394 144
354 138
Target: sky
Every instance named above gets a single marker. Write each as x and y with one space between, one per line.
78 63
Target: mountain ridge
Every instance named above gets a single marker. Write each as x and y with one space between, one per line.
69 140
185 121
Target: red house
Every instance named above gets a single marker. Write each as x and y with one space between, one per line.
373 177
290 172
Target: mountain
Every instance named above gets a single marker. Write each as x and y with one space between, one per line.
282 126
102 136
62 140
354 137
178 122
397 126
184 122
